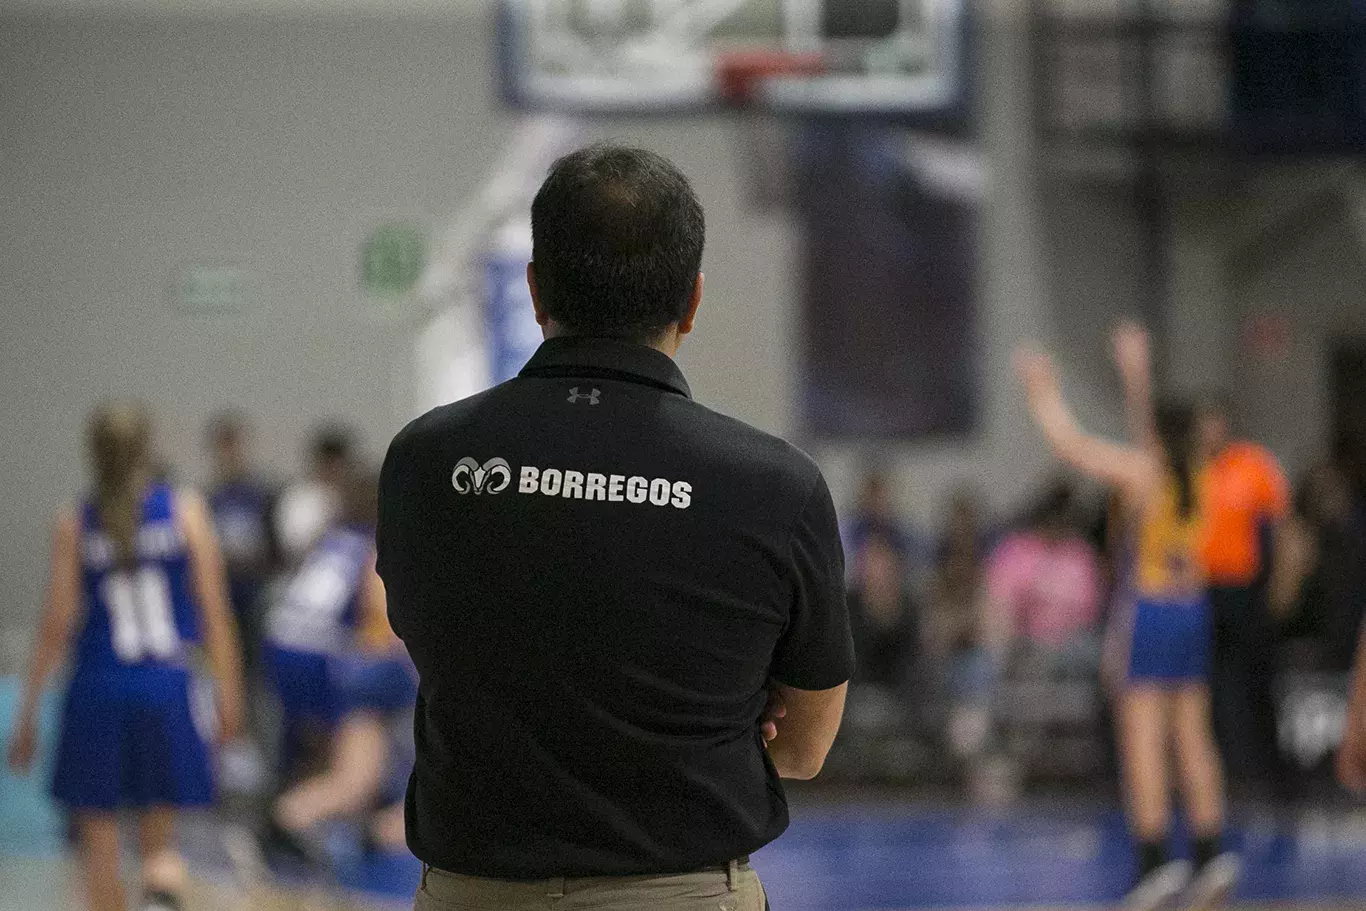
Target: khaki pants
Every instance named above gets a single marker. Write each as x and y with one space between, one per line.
735 890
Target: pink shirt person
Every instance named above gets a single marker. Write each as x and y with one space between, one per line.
1044 587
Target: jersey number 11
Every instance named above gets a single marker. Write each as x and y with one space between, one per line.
140 615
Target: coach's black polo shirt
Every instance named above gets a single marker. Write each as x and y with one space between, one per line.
596 577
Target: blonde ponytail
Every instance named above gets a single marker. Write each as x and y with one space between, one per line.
119 437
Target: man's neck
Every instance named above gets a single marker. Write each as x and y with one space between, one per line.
668 343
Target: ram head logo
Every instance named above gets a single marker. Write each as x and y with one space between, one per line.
492 477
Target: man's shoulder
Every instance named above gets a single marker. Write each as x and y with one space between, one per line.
438 421
748 446
1245 460
1257 454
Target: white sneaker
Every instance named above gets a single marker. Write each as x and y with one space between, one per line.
1160 888
1213 886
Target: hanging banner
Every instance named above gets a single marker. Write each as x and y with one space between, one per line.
509 318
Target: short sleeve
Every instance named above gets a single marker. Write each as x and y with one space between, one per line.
816 651
391 552
1273 488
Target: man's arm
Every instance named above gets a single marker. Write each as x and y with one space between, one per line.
815 656
1352 755
1290 546
1292 558
806 730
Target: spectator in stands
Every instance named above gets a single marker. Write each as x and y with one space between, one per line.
955 628
241 502
1044 583
1319 582
1248 502
309 507
875 514
882 615
966 668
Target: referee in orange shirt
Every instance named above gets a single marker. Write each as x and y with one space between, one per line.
1248 500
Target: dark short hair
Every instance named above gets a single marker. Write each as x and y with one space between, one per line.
617 236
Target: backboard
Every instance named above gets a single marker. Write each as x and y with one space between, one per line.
864 57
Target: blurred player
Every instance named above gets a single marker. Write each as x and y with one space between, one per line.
1163 694
372 683
241 507
333 606
368 765
136 572
308 508
1249 503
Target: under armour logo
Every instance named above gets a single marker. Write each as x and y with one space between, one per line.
593 397
492 477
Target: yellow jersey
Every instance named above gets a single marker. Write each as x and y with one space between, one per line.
1167 559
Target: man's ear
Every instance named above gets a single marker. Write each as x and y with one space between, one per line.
690 315
541 316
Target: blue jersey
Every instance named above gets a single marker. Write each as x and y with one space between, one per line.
240 515
318 613
144 613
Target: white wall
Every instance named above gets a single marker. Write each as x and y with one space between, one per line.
1315 281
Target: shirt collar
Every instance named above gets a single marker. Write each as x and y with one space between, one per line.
581 355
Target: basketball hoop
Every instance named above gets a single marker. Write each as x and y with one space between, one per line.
892 58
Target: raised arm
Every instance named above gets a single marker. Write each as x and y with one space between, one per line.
220 629
1129 468
61 611
1133 357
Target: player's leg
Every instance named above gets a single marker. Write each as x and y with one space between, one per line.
1197 757
1143 720
308 710
1144 732
1144 717
388 828
351 782
165 876
1202 787
99 839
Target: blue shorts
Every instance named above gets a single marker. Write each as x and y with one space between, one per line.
1170 642
303 685
129 740
385 685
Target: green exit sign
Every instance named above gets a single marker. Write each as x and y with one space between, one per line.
392 259
214 289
